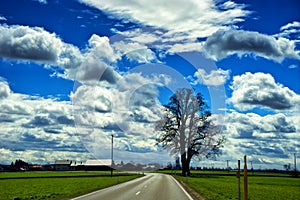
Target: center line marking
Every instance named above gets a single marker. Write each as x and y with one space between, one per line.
138 193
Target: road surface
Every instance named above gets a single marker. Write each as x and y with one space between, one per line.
149 187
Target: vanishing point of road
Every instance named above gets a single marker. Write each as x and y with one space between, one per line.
150 187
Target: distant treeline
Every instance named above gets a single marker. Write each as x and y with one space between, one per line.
20 165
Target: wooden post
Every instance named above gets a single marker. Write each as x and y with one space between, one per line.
238 175
245 179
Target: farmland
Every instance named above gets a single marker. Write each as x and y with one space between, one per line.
55 185
209 184
260 186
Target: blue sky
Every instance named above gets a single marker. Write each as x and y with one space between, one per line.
74 72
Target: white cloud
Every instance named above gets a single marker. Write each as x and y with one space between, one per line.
3 18
291 31
294 24
198 19
37 129
224 43
186 47
41 1
135 51
214 78
293 66
259 89
101 48
94 63
36 44
182 23
261 138
4 89
126 109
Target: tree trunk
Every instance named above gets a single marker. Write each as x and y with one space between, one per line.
185 165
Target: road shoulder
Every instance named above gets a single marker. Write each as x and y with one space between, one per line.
191 192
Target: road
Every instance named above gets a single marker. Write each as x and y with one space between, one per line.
150 187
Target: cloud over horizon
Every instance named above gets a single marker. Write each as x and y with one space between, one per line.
46 126
43 127
266 139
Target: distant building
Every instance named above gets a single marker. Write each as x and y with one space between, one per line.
63 165
77 166
98 165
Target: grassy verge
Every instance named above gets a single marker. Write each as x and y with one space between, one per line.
224 173
259 187
55 188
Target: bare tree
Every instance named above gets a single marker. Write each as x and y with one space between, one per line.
187 129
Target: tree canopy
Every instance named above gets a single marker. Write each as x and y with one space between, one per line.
187 129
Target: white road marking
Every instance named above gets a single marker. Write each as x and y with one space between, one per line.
138 193
187 194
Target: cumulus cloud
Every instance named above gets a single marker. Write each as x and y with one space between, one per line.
36 44
126 109
32 128
135 51
224 43
251 125
270 137
214 78
94 63
4 89
259 89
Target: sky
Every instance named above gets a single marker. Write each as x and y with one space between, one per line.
75 72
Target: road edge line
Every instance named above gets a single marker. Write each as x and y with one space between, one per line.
186 193
113 186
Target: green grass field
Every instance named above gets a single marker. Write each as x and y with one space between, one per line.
259 187
52 174
64 187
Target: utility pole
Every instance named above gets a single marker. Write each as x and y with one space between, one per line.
112 155
227 161
295 164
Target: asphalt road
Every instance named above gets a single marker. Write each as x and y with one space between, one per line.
149 187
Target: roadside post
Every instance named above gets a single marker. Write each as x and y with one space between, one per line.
238 175
117 177
186 177
245 179
112 155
